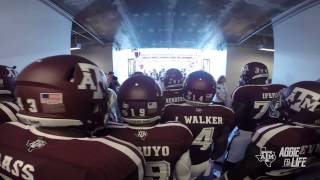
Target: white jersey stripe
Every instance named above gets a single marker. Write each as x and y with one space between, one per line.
267 136
125 142
13 105
50 122
8 112
171 124
125 150
261 130
140 166
5 92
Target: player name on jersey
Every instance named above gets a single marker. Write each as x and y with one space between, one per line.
269 95
155 150
16 167
203 120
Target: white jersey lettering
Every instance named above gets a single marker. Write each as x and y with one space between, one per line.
87 80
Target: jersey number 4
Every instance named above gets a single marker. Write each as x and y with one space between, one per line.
204 138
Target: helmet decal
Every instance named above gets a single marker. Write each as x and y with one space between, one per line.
87 81
301 98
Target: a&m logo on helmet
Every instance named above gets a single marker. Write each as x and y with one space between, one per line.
87 81
301 98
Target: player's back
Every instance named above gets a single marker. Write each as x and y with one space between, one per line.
27 153
206 123
256 99
294 146
278 150
8 111
162 145
173 96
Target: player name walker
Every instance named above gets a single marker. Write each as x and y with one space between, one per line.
203 120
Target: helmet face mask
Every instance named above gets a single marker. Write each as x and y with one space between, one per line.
7 81
199 88
253 71
72 92
140 101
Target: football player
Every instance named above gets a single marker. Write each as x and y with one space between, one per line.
210 124
62 99
164 146
172 86
250 104
8 108
289 148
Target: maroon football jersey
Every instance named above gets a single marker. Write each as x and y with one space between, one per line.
289 143
293 146
162 145
173 96
256 99
8 111
206 124
26 153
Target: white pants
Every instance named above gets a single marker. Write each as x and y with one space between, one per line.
238 146
203 169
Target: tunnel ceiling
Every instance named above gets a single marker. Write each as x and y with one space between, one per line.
171 23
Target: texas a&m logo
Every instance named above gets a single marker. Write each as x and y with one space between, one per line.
36 144
266 156
87 81
301 98
141 134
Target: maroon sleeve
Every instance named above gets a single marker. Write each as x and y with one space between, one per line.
8 112
240 95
